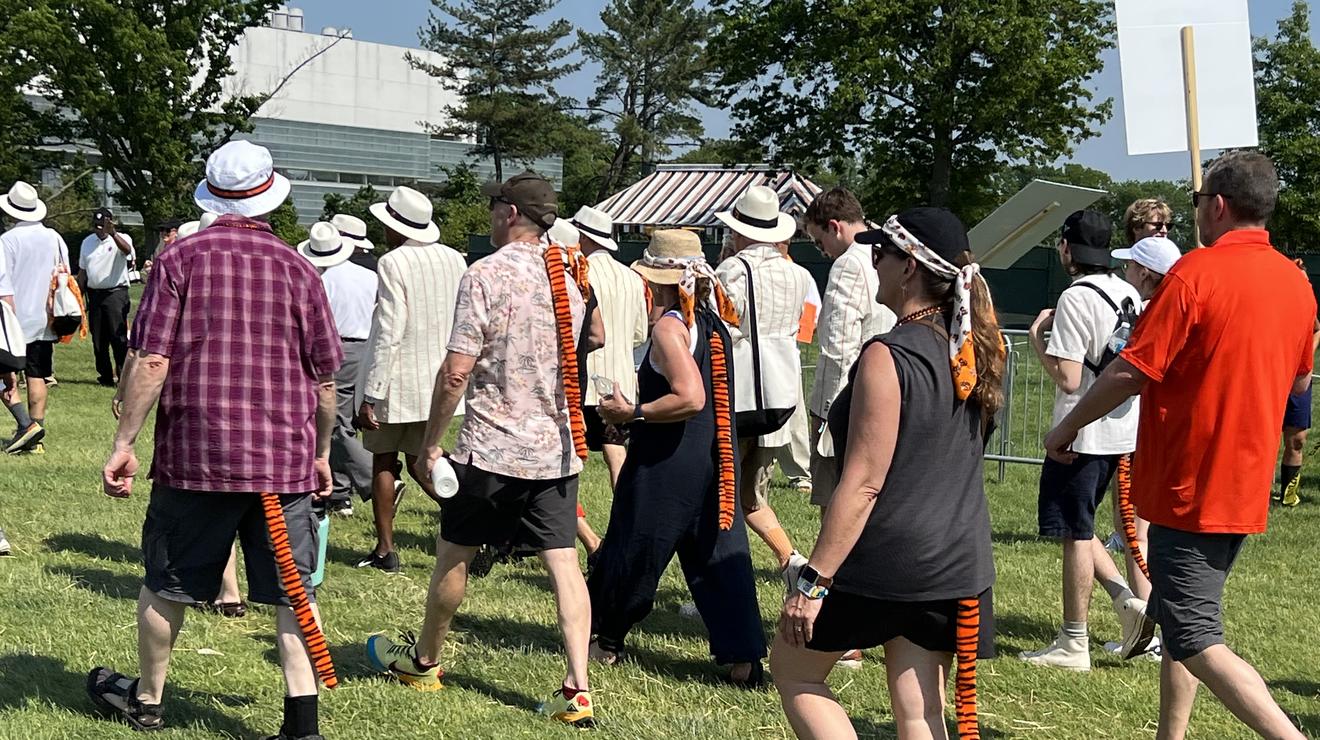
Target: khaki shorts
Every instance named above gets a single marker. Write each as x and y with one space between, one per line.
824 470
758 467
394 438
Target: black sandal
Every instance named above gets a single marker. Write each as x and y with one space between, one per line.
116 695
227 609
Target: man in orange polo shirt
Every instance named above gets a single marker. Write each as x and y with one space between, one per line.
1210 380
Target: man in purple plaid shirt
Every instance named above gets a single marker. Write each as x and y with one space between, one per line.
236 340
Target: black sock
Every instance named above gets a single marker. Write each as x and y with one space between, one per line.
1287 473
20 414
300 716
570 692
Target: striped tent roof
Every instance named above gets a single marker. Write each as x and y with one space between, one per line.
691 194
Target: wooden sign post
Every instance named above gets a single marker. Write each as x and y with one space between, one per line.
1193 119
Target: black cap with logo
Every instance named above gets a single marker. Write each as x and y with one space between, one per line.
1088 233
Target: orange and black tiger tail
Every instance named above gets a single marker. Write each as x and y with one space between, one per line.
1128 514
969 631
557 271
719 370
293 588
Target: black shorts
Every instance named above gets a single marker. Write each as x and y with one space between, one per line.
40 360
493 509
1070 493
187 536
1297 415
1187 575
599 433
848 621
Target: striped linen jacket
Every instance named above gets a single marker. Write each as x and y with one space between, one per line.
621 295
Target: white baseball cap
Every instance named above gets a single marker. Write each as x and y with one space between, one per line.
1155 253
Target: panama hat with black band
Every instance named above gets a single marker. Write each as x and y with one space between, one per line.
597 226
324 246
353 229
22 203
408 212
756 216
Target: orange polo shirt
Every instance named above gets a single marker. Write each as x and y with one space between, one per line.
1222 342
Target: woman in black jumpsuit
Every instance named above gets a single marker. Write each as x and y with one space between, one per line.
667 500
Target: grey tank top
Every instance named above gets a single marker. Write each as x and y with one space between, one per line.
928 537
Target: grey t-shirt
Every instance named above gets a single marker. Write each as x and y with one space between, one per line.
928 536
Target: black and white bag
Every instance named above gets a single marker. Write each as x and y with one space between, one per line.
1127 314
13 346
767 375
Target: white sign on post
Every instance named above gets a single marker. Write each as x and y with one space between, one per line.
1150 54
1026 220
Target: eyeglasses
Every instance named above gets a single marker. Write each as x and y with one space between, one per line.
1197 196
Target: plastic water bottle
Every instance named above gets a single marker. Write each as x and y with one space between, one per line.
444 479
1119 339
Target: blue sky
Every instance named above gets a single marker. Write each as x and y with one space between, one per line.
397 22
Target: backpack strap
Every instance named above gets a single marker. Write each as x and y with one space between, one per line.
754 334
1101 292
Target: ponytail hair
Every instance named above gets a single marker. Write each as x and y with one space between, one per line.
987 341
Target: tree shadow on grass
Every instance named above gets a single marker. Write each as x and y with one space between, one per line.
40 678
503 696
100 580
1016 632
94 545
1015 538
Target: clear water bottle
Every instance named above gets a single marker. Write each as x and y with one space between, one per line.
1119 339
444 479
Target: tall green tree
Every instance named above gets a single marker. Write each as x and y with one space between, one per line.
931 95
1288 119
502 63
24 126
143 79
653 67
586 161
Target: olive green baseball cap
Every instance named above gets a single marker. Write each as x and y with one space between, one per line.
531 194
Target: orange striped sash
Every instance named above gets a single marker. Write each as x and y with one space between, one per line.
1128 514
557 271
719 370
293 588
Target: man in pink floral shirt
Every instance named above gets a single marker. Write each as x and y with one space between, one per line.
514 456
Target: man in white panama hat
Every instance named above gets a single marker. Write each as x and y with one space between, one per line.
33 252
351 291
239 454
354 230
410 328
759 266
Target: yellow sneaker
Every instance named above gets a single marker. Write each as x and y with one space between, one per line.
576 711
399 660
1291 495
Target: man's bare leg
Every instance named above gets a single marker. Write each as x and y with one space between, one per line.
448 586
574 611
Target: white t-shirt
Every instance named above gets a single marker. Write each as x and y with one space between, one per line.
32 252
104 265
351 291
1083 323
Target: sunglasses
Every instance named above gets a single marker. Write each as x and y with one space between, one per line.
1197 196
1157 225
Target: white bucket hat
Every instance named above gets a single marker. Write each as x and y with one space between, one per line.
409 213
22 203
756 216
353 229
1156 253
597 226
241 179
324 246
192 227
563 232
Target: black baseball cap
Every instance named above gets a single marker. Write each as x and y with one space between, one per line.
938 228
532 194
103 214
1088 233
169 224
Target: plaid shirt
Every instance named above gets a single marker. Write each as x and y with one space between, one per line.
246 325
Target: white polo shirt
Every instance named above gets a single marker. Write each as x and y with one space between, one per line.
351 290
32 252
104 265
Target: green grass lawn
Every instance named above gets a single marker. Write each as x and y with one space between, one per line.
67 601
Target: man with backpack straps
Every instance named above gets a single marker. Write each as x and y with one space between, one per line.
1091 324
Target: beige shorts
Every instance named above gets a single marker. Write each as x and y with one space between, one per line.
758 467
824 470
394 438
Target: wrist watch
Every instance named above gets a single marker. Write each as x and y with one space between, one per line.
812 584
637 412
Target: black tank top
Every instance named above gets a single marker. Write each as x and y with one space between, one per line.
928 537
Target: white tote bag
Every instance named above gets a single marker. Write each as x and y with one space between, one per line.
767 375
13 346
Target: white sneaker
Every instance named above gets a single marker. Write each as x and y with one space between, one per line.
1138 627
1153 651
791 571
1071 653
4 543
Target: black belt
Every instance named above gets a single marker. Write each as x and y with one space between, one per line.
350 339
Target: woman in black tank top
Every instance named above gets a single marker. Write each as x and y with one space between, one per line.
903 558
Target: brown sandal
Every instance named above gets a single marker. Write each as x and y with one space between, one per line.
227 609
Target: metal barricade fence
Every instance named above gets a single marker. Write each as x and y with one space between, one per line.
1028 403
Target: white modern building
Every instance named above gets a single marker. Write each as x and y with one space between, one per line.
353 113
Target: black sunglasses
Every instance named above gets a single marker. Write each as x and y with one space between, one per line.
1157 225
1197 196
